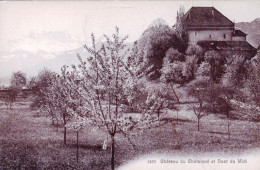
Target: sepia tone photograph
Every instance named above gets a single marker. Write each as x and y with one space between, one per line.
130 85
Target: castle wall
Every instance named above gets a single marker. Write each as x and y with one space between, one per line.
210 35
239 38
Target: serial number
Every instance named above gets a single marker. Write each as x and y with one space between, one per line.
151 161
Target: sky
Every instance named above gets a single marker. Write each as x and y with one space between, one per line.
33 31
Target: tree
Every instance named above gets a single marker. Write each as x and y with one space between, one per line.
62 97
44 78
216 62
152 47
106 88
174 55
252 83
39 86
217 97
18 79
180 69
17 82
203 72
225 103
194 57
179 27
190 67
195 50
174 70
172 73
198 90
77 125
159 98
252 88
10 98
219 100
235 72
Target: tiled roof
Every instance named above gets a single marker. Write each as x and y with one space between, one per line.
239 33
226 45
202 17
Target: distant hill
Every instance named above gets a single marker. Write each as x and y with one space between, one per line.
252 29
70 57
31 63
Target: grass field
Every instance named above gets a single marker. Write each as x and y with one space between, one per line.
29 141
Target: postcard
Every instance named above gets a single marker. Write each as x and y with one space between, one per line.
130 85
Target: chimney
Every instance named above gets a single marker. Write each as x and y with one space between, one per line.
212 11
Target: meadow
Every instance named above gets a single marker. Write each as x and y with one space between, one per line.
28 140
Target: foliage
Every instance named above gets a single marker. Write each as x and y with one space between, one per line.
109 85
235 72
159 98
181 69
173 72
211 97
18 80
198 89
216 62
190 67
152 47
194 50
203 72
63 98
180 29
174 55
194 56
39 85
252 88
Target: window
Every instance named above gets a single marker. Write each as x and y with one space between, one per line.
224 36
209 36
195 33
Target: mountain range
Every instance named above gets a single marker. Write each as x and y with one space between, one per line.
252 29
31 63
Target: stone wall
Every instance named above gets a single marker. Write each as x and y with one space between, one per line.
239 38
210 35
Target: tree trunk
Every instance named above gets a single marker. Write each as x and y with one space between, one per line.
52 120
113 152
65 132
177 117
77 146
258 131
175 94
132 108
57 125
198 124
228 127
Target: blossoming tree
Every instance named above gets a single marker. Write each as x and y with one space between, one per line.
109 84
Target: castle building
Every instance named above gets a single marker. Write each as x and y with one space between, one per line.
210 29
